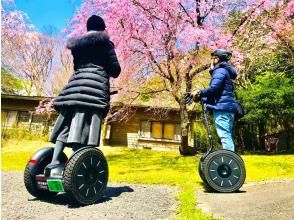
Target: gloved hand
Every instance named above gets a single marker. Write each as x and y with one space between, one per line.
196 96
193 96
188 99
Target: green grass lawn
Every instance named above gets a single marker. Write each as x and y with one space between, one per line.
151 167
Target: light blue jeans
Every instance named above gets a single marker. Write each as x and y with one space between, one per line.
224 121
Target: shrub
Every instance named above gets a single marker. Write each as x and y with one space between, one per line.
22 132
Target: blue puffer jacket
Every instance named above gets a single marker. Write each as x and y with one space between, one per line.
220 94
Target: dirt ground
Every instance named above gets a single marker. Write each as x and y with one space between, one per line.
121 201
266 200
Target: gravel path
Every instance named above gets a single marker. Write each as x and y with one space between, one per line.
266 200
121 201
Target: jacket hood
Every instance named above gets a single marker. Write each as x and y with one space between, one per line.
230 69
88 39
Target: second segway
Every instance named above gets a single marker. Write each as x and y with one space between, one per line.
221 170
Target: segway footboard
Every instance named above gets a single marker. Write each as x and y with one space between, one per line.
36 183
223 171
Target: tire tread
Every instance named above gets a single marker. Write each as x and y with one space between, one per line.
69 170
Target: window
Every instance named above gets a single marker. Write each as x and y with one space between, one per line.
160 130
169 131
37 122
177 132
11 118
156 131
23 117
37 118
145 129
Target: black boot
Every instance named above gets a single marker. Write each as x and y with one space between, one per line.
58 149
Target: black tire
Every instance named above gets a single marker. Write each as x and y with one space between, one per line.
224 171
30 182
200 170
85 176
201 174
31 186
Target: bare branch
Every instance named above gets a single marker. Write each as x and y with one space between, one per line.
191 21
245 18
152 57
200 69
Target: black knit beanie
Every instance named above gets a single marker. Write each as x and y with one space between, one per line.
95 23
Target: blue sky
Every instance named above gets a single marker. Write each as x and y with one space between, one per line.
44 13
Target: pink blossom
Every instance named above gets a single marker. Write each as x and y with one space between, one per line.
143 26
45 107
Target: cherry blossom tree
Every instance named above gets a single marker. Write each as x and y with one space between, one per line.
265 32
35 60
25 52
173 39
62 69
14 24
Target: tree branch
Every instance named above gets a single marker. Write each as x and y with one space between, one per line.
200 69
244 19
191 21
152 57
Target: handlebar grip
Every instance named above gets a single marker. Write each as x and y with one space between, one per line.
113 92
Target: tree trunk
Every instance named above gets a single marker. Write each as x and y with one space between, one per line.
185 149
252 137
261 133
239 136
287 128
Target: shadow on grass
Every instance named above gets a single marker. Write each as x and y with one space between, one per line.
63 199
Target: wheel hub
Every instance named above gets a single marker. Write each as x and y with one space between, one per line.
91 176
224 171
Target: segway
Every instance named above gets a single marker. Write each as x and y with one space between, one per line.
83 176
221 170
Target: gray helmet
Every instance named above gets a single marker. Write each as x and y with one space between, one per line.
222 54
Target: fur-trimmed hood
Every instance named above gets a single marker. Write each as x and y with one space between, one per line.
94 61
88 39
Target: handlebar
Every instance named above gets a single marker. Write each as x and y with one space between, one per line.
113 92
203 104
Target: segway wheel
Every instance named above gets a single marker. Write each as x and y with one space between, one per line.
224 171
31 186
86 176
29 178
200 170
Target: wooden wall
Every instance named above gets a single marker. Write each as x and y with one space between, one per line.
127 133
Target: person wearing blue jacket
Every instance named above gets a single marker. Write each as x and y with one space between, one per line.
219 96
